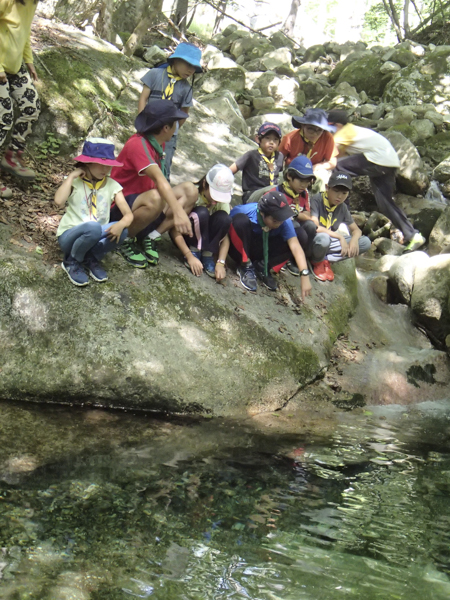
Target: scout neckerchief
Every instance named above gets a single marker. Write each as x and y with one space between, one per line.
329 221
159 149
270 164
265 235
308 143
91 198
295 198
168 92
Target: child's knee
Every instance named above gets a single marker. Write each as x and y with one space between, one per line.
364 244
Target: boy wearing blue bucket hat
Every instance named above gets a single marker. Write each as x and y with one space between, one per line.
169 82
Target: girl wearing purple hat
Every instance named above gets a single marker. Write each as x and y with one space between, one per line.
85 234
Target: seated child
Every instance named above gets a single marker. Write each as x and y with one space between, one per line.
261 167
85 233
330 214
261 236
156 206
210 221
169 82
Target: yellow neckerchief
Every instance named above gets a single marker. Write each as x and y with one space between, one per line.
168 92
270 164
307 142
329 221
289 191
205 200
91 199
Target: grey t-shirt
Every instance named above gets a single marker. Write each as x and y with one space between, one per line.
157 80
329 219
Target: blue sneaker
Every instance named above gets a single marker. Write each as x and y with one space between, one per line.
75 271
95 269
209 264
248 278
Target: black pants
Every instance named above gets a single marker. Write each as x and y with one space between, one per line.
208 230
382 180
306 231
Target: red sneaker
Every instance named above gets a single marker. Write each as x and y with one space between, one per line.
14 163
319 270
328 271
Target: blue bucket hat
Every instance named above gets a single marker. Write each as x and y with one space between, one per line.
314 116
156 114
190 53
303 166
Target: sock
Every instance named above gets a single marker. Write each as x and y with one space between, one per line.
154 235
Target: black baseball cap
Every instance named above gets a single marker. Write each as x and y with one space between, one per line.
342 179
156 114
267 128
274 204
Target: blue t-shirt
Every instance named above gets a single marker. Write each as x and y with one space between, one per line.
286 229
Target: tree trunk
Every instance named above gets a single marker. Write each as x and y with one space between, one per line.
388 5
406 18
148 17
289 24
219 17
180 14
104 23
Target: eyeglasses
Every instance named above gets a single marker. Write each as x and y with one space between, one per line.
313 129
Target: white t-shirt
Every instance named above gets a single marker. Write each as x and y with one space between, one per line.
359 140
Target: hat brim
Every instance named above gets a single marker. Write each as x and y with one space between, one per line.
217 196
302 175
99 161
347 186
197 65
271 130
283 214
142 126
297 121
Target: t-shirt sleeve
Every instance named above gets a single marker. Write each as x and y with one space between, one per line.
348 219
115 188
330 149
187 99
345 136
242 160
285 145
149 79
287 230
314 204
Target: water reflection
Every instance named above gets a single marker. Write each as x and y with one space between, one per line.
212 510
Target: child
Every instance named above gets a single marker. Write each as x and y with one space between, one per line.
333 241
260 168
169 82
262 235
210 221
16 67
85 234
156 206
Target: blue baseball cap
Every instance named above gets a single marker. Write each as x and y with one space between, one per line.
156 114
303 166
190 53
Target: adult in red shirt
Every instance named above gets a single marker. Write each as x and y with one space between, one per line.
156 206
312 138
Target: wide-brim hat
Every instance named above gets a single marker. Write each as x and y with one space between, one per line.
220 179
100 151
190 53
314 116
156 114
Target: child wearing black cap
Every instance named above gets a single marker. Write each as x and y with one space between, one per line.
333 241
260 168
261 236
170 82
156 206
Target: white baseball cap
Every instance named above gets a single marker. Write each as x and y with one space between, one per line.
220 180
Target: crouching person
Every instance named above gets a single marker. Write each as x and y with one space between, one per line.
261 236
338 237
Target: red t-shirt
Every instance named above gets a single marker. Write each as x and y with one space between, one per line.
136 156
293 145
302 200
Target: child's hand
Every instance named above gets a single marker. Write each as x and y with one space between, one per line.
353 248
306 287
77 173
344 247
182 223
114 232
220 272
194 264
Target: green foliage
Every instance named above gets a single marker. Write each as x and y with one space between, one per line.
49 147
115 107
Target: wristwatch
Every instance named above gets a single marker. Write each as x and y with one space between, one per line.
305 272
220 261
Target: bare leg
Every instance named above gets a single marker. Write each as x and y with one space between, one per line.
146 208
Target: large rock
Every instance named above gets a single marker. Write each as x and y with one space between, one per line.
154 55
283 120
226 108
423 81
215 80
364 74
430 300
143 338
281 57
280 40
437 147
401 276
284 90
402 56
314 52
440 234
412 178
352 57
422 212
442 172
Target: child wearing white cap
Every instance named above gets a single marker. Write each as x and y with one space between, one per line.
210 221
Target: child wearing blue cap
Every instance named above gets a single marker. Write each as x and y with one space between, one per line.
85 233
261 167
169 82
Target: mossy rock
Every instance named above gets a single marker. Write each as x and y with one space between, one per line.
314 52
351 58
365 75
407 130
437 147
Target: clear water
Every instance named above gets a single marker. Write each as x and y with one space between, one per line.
100 506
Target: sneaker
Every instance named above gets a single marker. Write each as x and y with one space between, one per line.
248 278
129 250
197 254
14 163
319 270
75 271
209 264
269 281
328 271
293 269
95 269
149 250
414 243
5 192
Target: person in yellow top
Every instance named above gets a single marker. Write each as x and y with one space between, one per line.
17 74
